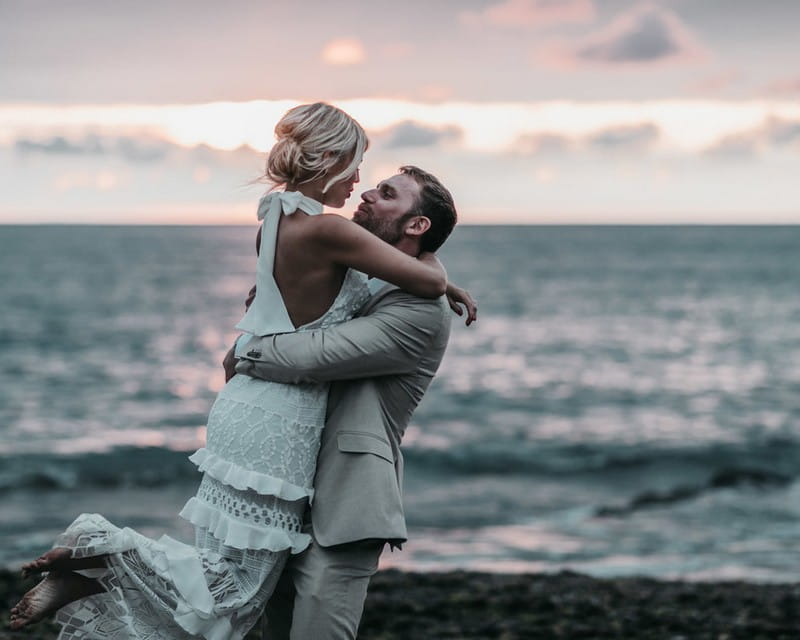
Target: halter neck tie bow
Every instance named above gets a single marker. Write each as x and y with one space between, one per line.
287 202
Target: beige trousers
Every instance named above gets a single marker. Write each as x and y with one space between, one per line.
321 593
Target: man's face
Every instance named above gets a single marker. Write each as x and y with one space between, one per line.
383 209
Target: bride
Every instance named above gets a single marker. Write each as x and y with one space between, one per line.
262 439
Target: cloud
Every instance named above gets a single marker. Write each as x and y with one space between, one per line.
714 83
644 35
740 145
60 146
397 50
413 134
542 143
775 133
784 87
104 180
633 137
782 132
531 13
214 134
545 175
344 52
135 150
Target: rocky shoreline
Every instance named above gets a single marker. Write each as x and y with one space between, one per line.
469 605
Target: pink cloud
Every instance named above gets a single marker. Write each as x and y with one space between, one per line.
714 83
343 52
397 50
784 87
643 36
531 13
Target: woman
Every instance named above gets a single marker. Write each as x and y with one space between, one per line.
262 437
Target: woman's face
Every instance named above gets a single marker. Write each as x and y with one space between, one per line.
340 191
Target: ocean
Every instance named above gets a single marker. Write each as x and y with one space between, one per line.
627 403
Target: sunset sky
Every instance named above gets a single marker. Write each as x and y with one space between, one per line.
531 111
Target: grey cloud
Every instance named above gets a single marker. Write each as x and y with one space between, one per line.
141 152
59 145
628 137
542 143
649 38
134 150
624 138
773 133
646 34
412 134
783 132
742 145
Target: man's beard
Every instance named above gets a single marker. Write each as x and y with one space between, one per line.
391 232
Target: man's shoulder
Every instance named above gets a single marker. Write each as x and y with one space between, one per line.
391 296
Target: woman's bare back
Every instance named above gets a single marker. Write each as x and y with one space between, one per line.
308 282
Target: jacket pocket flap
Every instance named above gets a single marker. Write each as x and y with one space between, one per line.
365 443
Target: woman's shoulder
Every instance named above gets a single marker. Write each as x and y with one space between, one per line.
331 228
329 221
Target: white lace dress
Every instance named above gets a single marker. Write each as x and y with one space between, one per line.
258 464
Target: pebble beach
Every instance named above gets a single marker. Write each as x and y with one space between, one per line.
471 605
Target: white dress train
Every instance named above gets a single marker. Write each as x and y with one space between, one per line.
258 468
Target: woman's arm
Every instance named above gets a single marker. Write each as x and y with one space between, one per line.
345 243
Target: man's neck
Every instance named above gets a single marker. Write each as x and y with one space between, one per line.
408 246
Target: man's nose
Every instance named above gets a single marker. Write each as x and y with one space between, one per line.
369 195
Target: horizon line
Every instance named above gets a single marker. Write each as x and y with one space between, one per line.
461 224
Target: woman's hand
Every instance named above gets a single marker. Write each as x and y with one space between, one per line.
457 296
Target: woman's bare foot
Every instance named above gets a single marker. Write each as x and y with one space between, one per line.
60 559
52 593
53 560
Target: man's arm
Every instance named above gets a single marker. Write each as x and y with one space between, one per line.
392 340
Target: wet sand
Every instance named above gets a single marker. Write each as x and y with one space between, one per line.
547 606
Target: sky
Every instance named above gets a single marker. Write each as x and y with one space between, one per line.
529 111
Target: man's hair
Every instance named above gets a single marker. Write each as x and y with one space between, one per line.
436 204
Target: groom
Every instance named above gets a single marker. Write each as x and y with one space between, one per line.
380 365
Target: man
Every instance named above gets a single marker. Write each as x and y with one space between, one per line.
380 364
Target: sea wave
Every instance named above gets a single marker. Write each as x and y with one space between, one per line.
558 458
118 468
718 464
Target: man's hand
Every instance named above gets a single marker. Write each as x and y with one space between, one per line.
230 360
229 364
250 297
457 296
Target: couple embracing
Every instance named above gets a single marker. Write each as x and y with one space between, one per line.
302 470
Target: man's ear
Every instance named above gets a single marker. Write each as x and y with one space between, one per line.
417 226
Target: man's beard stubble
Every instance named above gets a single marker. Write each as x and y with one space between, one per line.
390 232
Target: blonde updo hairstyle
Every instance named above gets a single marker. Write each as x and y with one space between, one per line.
311 140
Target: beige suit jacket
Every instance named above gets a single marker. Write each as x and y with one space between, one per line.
381 364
